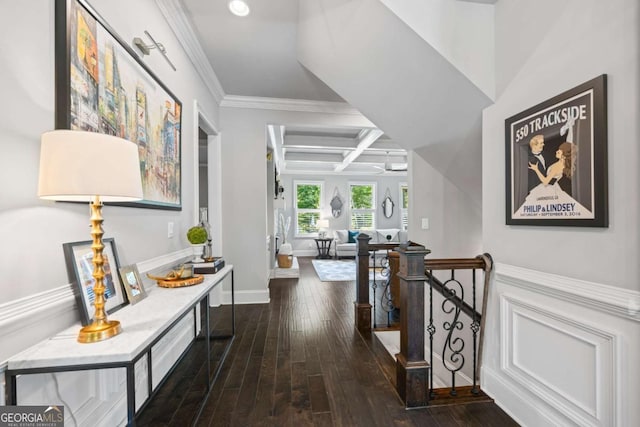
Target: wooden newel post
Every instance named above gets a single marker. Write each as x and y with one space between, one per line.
362 305
412 370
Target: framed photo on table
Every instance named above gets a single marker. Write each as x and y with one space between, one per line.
79 260
556 160
133 286
102 86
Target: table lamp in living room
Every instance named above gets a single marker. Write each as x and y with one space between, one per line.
78 166
323 225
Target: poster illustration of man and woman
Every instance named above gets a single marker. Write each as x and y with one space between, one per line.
556 160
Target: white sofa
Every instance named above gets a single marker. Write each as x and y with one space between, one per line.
345 249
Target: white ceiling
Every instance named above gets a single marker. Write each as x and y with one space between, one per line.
256 56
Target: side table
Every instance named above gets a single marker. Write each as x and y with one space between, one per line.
324 246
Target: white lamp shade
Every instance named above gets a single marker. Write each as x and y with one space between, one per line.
76 166
323 223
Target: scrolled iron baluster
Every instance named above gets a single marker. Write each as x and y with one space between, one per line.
386 299
453 346
374 286
475 328
432 330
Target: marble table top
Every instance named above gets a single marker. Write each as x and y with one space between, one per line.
141 324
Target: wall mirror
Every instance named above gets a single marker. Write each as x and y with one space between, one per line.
336 204
387 205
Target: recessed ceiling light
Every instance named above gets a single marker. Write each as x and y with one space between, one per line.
239 7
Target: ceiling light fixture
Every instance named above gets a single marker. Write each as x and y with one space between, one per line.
239 7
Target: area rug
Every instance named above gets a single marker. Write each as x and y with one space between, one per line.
329 270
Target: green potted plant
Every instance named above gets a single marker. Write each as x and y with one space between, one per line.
197 236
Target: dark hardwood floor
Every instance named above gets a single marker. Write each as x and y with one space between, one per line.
298 361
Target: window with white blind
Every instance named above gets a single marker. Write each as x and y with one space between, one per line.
404 206
308 206
363 205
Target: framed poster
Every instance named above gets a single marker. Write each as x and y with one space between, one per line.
102 86
79 259
556 160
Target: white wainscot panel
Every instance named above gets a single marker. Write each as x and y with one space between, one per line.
559 351
568 364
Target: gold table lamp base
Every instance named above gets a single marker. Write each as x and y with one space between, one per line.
98 332
101 328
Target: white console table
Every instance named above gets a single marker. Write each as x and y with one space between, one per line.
143 325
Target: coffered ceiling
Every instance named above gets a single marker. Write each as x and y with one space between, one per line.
327 151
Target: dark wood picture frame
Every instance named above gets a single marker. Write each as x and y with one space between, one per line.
103 86
79 261
573 129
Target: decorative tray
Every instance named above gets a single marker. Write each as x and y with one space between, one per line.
179 283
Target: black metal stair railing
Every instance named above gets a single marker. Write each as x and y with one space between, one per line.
381 278
369 259
456 314
453 323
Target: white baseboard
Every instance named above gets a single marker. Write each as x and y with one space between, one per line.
246 297
305 252
560 351
514 402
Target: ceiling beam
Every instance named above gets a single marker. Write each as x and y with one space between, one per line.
314 157
366 138
319 141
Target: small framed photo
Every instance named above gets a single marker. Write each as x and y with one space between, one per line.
133 286
79 260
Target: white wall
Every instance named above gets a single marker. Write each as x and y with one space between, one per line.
341 182
582 39
461 31
34 230
562 348
400 82
246 195
454 218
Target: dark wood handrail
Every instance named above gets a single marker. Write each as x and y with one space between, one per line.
453 264
389 246
439 286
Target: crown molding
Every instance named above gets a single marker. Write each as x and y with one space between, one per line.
284 104
174 14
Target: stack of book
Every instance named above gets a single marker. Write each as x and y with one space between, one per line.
209 267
